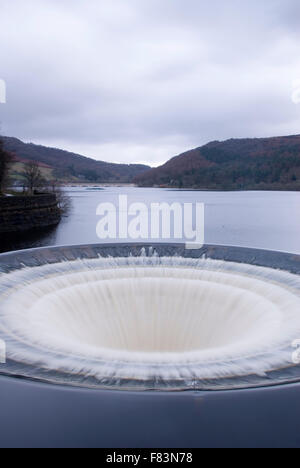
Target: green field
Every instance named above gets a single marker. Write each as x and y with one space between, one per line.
17 168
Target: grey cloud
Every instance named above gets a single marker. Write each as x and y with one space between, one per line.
133 80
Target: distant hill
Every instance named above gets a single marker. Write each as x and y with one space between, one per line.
250 164
70 167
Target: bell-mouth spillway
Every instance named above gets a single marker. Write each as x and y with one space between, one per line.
151 317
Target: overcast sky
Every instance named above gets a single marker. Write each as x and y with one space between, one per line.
143 80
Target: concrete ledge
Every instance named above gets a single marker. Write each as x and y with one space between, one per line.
47 255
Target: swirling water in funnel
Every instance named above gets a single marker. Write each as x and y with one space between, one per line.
150 323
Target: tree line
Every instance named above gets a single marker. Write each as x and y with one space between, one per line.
32 178
33 181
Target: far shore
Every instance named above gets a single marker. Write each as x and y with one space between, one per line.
103 185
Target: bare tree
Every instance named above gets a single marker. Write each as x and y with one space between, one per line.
32 177
64 202
5 160
34 180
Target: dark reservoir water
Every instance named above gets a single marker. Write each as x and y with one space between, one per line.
266 220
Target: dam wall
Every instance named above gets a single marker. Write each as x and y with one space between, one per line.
26 213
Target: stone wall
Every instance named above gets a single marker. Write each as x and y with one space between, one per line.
24 213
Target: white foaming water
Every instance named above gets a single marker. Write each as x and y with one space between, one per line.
151 319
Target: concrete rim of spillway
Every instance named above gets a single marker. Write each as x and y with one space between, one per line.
250 343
